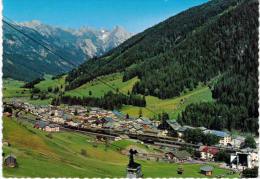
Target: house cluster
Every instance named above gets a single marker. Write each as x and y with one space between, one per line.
111 120
225 138
207 153
178 156
97 118
46 126
92 117
243 158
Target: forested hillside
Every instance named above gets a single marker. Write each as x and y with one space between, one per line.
218 38
236 91
155 44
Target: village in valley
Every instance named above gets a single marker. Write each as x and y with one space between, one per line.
133 89
108 126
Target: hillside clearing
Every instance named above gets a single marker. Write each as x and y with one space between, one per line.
172 106
102 85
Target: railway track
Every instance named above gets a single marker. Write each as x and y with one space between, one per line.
87 132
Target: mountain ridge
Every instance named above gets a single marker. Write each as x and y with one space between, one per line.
153 41
76 45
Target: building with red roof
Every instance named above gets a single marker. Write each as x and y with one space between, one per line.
208 152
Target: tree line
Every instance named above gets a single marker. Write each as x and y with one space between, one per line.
109 101
32 83
196 136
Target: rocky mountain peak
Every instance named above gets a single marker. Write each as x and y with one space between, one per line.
77 45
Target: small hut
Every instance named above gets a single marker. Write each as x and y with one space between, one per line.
10 161
206 170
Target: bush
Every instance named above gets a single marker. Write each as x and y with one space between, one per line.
83 152
250 173
36 90
95 145
49 89
32 83
250 142
43 96
197 136
223 156
49 136
197 154
8 109
56 90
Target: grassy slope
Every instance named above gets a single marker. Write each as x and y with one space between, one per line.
172 106
49 82
38 155
12 88
98 88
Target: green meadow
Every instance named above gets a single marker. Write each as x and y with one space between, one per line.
39 155
13 88
48 82
102 85
173 106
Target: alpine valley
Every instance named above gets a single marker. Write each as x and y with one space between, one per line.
180 98
204 48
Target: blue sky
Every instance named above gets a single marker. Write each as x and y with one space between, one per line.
134 15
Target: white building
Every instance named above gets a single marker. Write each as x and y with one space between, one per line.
246 158
59 120
74 124
52 128
162 133
225 138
